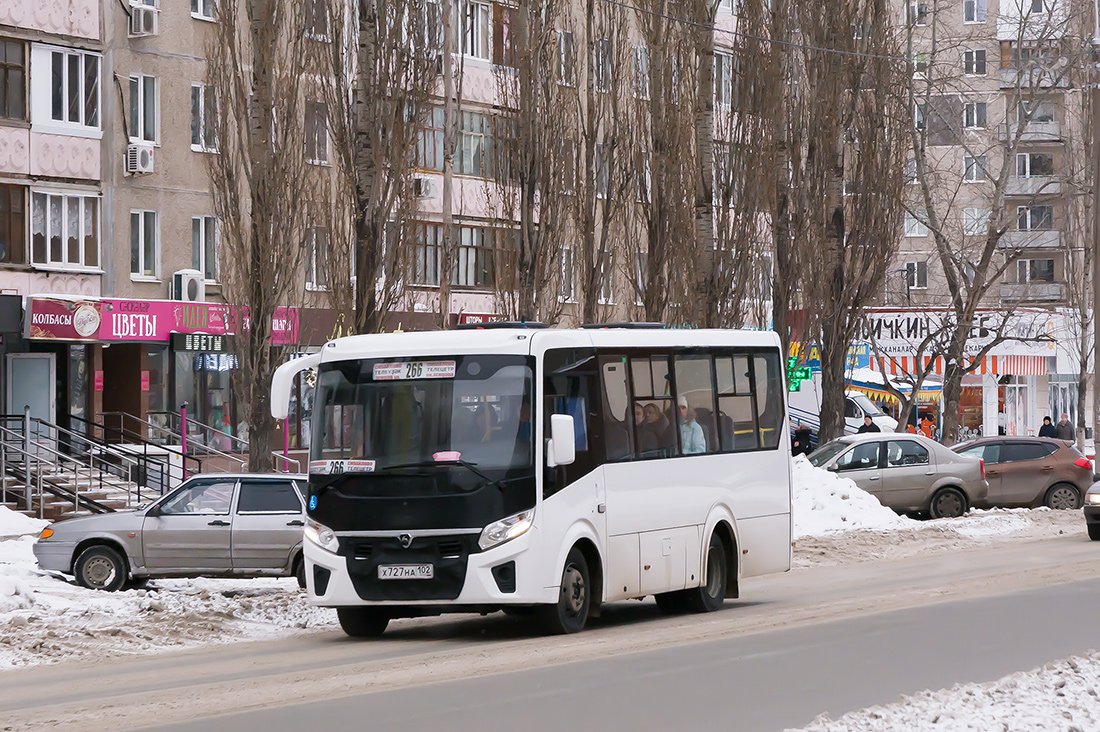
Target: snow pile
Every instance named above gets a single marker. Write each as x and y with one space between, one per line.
994 522
44 619
825 502
1061 696
14 524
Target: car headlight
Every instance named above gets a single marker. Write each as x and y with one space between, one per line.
321 535
1093 499
506 529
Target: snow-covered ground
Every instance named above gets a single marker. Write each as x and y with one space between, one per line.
1059 697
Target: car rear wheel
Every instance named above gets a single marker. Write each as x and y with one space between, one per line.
1063 496
300 571
362 622
948 503
1094 532
101 568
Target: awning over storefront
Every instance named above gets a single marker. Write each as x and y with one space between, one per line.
873 384
994 365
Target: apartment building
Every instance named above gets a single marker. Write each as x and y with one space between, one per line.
997 83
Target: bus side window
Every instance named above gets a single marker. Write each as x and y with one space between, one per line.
696 416
736 421
653 415
769 398
569 387
616 402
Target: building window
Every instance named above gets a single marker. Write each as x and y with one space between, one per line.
566 62
204 111
567 292
74 88
318 244
607 289
65 230
1041 112
640 277
975 221
917 14
316 132
723 78
916 275
602 64
920 65
202 9
474 258
973 11
974 62
1034 218
477 30
13 80
911 172
429 142
143 108
428 246
473 156
974 115
204 239
641 72
13 221
914 226
1034 165
143 244
1036 6
974 168
918 116
568 167
317 25
1034 270
602 172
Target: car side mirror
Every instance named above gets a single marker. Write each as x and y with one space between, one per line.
562 447
831 468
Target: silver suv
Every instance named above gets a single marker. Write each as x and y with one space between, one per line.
219 525
908 473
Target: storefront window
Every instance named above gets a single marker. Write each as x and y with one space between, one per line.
78 387
1015 418
205 382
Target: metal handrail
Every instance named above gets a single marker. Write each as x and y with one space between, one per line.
204 429
206 449
27 475
127 435
288 461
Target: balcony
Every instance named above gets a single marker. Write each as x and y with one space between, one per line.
1049 239
1034 79
1038 185
1034 292
1034 132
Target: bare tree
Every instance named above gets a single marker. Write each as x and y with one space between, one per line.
453 79
263 189
854 152
378 79
528 164
966 209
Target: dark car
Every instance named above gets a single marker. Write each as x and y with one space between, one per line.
1031 471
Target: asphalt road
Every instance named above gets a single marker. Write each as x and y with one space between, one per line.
825 639
757 683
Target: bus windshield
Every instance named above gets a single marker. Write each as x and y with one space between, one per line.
392 413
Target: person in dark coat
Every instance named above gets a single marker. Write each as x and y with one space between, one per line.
1048 429
868 426
1066 430
800 443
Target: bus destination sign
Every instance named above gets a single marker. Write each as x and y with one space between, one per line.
414 370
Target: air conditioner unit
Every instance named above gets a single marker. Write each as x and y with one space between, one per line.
422 187
143 21
139 158
188 285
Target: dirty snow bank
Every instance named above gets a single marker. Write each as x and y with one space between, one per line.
44 619
13 524
825 502
1059 697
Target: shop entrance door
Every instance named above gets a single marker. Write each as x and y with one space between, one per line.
122 366
31 378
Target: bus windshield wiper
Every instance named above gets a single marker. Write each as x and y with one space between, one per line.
472 467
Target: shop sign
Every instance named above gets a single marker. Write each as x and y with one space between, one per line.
97 382
202 342
1023 332
64 320
464 318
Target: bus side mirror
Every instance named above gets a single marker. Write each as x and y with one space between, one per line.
562 448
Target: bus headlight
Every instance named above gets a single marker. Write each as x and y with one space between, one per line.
506 529
321 535
1093 499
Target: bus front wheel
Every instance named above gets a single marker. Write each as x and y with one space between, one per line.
362 622
570 612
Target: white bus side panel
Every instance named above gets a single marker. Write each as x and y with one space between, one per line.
567 516
759 537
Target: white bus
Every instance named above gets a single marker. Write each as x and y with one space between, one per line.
542 471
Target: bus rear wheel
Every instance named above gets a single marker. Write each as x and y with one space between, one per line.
362 622
709 596
570 612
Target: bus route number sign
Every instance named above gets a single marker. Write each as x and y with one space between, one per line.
414 370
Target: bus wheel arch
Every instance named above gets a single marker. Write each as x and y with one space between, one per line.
724 531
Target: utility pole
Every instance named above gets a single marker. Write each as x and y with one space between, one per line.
1094 103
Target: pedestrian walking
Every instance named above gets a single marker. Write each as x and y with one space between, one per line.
1048 429
868 426
1066 430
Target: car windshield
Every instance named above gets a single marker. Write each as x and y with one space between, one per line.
388 413
827 452
869 407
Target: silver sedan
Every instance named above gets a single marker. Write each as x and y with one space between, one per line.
908 473
223 525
